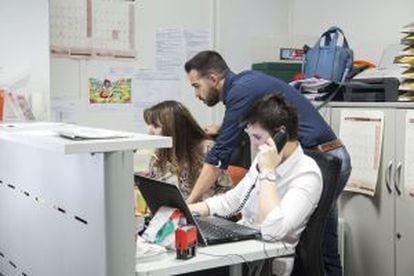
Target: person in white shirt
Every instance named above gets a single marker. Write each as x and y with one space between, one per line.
282 187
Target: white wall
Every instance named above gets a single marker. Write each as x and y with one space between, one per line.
243 32
24 50
151 15
240 31
369 25
155 14
244 24
246 33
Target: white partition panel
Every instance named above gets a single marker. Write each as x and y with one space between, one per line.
66 206
52 212
119 213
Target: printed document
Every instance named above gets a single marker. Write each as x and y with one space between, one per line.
362 133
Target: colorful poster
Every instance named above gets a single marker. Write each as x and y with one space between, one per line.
110 91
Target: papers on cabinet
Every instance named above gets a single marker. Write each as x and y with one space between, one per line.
362 133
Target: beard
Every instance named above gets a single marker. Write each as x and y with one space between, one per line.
213 97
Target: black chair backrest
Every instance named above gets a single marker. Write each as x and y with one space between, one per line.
308 253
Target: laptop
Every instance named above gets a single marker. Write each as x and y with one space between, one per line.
210 230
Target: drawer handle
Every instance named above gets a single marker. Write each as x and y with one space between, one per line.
397 178
387 177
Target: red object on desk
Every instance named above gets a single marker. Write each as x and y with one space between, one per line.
186 242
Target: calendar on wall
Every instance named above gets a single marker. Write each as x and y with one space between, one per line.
92 28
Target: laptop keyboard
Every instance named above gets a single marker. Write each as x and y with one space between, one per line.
214 231
214 227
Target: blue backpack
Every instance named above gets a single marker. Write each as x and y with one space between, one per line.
329 61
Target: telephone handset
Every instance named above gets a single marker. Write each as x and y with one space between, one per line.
280 139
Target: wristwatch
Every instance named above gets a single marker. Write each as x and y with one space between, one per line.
271 176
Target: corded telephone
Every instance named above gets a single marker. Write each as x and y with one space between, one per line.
280 139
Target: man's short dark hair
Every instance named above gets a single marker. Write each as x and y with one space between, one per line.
207 62
271 112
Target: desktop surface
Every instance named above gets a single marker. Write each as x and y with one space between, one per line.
227 254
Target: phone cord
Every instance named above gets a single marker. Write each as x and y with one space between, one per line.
243 202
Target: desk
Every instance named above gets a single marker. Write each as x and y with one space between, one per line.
66 207
228 254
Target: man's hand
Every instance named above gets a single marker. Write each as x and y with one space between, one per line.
269 158
212 130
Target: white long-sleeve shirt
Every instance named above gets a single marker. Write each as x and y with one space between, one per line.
299 185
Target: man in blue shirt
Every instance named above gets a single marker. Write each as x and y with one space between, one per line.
213 82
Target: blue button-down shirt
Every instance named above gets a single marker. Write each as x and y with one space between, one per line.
240 93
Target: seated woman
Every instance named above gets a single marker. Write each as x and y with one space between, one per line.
182 163
282 187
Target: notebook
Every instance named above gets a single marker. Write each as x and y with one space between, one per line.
211 229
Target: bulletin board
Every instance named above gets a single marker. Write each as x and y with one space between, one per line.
90 28
93 89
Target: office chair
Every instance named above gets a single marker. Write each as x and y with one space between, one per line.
308 253
236 174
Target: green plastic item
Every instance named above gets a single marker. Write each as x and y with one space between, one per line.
167 229
281 70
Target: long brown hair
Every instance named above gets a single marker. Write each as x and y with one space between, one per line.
187 152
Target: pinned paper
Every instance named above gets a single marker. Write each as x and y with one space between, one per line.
362 133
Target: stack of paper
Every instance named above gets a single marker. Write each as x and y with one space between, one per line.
408 74
407 85
14 107
406 96
147 252
409 50
406 59
87 133
313 88
408 39
409 28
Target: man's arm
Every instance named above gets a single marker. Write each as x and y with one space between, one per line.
220 154
208 176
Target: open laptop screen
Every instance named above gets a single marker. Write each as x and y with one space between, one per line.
157 194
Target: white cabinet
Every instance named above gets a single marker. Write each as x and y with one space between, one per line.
404 201
378 234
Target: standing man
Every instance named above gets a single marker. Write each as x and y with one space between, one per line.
213 81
